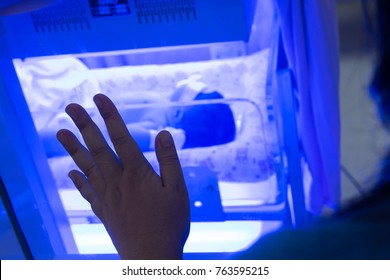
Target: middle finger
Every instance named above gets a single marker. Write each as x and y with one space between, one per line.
102 154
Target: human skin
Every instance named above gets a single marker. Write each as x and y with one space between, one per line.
147 215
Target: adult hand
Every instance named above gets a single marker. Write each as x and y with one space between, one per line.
146 215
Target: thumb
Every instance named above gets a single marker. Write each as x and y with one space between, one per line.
170 168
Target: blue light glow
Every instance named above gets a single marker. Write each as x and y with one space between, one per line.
218 237
173 73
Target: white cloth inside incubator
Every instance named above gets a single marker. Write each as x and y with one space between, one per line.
50 85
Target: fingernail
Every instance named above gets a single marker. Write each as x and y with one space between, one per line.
71 176
166 140
98 101
63 138
72 113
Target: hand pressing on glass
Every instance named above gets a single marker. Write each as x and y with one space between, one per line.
146 215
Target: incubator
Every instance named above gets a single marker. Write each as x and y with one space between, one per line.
200 69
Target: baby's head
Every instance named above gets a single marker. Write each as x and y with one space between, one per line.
208 124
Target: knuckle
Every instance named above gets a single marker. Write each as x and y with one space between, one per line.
108 114
83 121
90 171
168 156
169 159
97 151
74 150
119 140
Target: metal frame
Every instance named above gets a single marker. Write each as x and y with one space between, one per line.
26 166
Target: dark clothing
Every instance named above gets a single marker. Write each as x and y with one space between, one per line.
360 232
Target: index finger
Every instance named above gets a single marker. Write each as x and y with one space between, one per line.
125 146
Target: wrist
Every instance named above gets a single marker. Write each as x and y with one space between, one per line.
152 252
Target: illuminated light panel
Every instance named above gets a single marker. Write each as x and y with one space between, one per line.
214 237
222 237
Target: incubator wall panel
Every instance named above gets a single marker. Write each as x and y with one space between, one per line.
75 26
195 72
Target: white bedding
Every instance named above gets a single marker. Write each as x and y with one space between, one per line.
48 88
240 77
248 158
244 166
